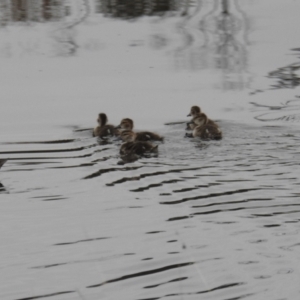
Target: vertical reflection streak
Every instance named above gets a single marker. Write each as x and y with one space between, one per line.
220 44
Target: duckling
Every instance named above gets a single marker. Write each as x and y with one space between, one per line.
127 135
132 151
195 111
204 129
2 162
104 129
137 147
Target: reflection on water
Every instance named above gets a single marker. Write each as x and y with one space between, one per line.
219 42
208 34
32 10
134 8
50 10
286 77
2 188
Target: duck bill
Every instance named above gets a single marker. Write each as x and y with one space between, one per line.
118 127
189 115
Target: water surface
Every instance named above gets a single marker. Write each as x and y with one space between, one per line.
203 219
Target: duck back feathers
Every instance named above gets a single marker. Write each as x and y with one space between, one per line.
137 147
128 135
208 132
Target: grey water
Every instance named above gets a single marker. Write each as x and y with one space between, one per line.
200 220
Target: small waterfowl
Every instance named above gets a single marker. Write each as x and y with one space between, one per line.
195 111
127 135
132 151
104 129
204 129
137 147
2 162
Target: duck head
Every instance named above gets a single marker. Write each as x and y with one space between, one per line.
126 124
102 119
194 111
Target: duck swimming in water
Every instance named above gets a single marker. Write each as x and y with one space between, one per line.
127 135
204 129
132 151
103 129
195 111
138 147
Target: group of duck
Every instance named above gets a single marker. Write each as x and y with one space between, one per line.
138 143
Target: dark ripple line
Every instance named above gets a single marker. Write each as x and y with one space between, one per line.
45 296
210 196
76 166
55 157
103 171
224 286
83 165
275 213
145 273
55 199
44 151
178 218
141 189
245 208
173 280
122 180
42 142
82 241
49 266
234 202
235 180
55 150
196 187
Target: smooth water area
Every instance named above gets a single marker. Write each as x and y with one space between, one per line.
202 219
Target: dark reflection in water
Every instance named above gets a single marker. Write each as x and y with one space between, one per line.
208 34
32 10
134 8
2 188
49 10
286 77
220 44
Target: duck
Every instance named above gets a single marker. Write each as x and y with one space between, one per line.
132 151
204 129
194 112
2 162
127 135
104 129
137 147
